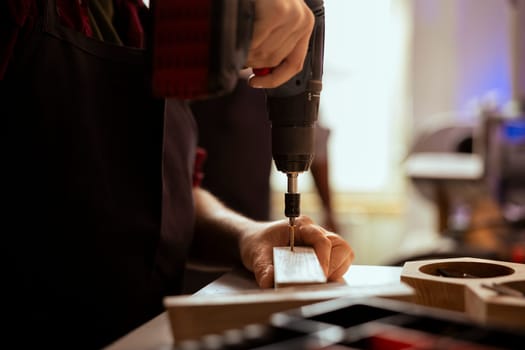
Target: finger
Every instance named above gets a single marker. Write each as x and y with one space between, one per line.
278 42
275 48
263 267
314 236
276 14
337 275
341 257
289 67
257 250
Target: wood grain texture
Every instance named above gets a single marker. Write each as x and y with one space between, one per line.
234 300
194 316
457 284
182 316
297 267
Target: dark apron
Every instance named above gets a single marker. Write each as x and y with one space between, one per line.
235 131
98 189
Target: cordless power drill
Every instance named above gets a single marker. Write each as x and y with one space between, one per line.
197 50
293 109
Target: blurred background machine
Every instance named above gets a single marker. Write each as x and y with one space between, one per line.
475 175
475 172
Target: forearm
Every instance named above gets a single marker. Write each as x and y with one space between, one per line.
218 231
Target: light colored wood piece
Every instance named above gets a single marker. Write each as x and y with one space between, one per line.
361 280
297 267
194 316
220 307
467 294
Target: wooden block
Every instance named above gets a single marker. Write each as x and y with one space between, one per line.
296 268
194 316
457 284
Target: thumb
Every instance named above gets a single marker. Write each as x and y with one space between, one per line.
264 274
261 259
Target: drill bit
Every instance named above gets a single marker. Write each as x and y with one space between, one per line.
292 206
291 230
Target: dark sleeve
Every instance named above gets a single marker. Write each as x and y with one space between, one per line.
16 17
129 20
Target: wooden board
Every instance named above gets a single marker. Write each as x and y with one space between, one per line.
459 284
296 267
221 308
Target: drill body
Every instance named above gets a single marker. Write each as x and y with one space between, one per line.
293 112
189 66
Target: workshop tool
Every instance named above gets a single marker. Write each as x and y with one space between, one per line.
293 111
197 51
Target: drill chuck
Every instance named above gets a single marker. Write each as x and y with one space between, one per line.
292 198
292 205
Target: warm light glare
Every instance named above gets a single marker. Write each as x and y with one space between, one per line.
362 56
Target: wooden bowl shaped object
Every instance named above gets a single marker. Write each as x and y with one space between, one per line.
488 291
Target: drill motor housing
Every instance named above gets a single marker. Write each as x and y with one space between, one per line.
198 48
293 110
293 107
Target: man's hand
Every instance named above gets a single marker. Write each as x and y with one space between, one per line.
281 32
335 254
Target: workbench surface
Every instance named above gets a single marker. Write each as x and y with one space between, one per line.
156 333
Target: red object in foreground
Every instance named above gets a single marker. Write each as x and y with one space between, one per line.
262 71
518 254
